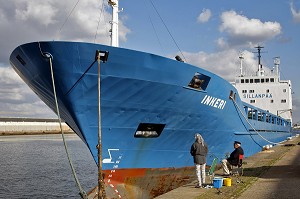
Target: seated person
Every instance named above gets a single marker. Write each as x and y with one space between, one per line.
233 158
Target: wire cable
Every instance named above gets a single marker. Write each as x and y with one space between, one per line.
102 11
67 17
168 30
275 143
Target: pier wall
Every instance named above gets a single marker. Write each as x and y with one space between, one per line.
28 126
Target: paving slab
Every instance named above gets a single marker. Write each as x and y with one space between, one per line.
282 180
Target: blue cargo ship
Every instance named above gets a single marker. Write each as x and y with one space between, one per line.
150 109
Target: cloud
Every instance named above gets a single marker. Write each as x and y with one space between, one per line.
242 31
204 16
295 14
17 100
223 63
23 21
221 43
42 12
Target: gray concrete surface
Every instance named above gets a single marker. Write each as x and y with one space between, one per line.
282 180
274 173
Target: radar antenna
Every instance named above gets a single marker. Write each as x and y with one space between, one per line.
259 56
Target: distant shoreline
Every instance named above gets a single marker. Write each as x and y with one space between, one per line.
8 133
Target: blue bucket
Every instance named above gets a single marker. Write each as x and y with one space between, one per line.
218 182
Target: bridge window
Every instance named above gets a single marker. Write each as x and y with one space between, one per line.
260 116
250 114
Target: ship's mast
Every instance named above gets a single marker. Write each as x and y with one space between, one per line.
115 22
260 71
276 63
259 56
241 67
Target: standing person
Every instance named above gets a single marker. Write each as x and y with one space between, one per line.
199 151
233 159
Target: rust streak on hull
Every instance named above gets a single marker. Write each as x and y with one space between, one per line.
144 183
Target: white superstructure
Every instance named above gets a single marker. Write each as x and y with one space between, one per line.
266 90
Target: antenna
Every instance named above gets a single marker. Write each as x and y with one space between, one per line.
260 71
241 57
259 56
277 63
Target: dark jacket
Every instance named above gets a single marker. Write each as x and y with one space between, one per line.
199 152
234 156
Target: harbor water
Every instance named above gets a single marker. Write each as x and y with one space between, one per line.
36 166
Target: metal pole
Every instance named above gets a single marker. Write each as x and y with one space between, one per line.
101 188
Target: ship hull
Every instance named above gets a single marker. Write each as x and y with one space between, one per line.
140 91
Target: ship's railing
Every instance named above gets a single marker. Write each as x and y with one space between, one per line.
257 114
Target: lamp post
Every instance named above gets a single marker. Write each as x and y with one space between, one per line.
100 56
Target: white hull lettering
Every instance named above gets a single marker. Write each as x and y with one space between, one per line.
203 99
213 101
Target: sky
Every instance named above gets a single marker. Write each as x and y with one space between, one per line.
207 33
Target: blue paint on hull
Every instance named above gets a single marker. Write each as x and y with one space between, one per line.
136 88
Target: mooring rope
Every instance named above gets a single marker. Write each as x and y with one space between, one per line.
276 143
82 192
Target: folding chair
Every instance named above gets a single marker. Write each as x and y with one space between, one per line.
211 172
238 170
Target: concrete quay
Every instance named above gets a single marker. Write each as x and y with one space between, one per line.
273 173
